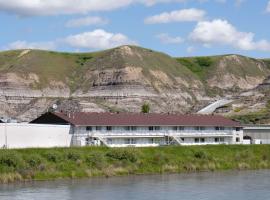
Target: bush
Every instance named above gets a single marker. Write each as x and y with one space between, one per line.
200 155
73 155
123 154
34 160
10 159
96 160
53 156
204 61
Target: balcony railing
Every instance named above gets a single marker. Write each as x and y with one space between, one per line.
160 133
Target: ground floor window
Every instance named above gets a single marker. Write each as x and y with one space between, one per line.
219 140
237 139
109 141
199 140
130 141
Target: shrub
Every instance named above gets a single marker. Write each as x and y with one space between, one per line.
10 159
200 155
53 156
145 108
123 154
96 160
73 155
34 160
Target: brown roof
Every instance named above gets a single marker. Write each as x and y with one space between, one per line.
139 119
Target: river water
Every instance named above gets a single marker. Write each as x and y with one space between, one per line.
233 185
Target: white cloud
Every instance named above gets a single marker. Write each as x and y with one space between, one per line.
56 7
86 21
268 7
191 14
221 32
167 39
20 44
97 39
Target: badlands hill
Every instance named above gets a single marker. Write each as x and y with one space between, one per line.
123 78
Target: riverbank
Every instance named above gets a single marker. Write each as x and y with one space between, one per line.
62 163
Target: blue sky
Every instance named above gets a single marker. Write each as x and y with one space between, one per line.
176 27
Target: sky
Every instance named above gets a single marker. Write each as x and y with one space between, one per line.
176 27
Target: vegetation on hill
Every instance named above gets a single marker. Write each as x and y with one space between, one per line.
260 117
47 164
206 67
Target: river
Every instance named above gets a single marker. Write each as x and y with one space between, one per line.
230 185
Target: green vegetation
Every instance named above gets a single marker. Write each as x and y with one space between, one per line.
198 65
259 117
56 163
145 108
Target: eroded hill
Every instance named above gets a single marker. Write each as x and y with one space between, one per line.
120 79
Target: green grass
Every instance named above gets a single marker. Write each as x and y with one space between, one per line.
58 163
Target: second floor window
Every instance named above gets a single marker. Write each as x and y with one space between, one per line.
108 128
89 128
150 128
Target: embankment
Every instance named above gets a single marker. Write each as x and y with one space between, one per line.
59 163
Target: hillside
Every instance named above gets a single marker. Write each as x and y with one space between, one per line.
121 79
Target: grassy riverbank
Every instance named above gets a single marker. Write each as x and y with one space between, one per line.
57 163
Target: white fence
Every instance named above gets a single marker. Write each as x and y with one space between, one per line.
15 135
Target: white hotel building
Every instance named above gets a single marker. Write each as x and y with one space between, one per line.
145 130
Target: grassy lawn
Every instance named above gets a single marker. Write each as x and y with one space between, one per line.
57 163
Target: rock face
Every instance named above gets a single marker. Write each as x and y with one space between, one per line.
120 79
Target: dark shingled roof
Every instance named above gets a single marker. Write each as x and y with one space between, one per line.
140 119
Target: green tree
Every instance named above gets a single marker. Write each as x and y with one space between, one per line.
145 108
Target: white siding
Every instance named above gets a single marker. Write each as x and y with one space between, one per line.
34 135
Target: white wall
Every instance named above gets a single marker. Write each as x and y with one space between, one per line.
34 135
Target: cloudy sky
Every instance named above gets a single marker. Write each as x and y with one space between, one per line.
176 27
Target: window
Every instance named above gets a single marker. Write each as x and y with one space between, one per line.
199 140
219 140
182 139
109 141
220 128
237 139
108 128
150 128
127 141
127 128
181 128
157 128
133 141
237 128
98 128
133 128
199 128
175 128
89 128
151 140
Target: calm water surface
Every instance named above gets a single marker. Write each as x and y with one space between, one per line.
247 185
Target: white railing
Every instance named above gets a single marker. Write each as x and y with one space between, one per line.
161 133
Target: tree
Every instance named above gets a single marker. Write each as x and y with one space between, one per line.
145 108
